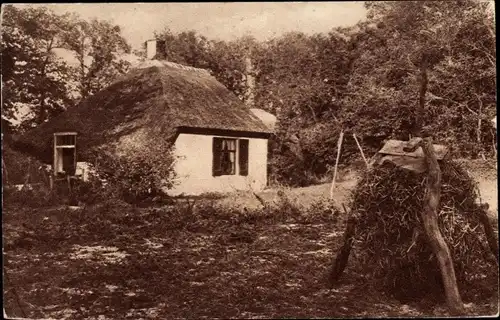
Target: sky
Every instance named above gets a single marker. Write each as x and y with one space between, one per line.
219 20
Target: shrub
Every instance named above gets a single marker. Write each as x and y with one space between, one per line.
92 191
318 153
18 168
324 210
136 175
34 196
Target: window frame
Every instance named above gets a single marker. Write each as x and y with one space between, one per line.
217 170
60 144
232 171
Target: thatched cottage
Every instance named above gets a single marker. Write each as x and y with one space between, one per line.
220 144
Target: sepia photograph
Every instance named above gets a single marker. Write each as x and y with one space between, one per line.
249 160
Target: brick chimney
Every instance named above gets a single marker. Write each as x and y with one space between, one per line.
155 49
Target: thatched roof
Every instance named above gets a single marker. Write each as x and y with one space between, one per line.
155 100
267 118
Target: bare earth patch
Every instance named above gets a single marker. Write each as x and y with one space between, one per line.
98 253
153 267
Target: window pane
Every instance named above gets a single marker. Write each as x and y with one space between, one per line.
227 162
224 153
68 140
231 144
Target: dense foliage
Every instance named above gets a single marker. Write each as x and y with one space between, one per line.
17 168
134 176
362 79
34 80
37 83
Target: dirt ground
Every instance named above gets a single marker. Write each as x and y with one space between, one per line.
114 262
108 265
486 175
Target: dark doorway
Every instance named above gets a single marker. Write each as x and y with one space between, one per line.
68 157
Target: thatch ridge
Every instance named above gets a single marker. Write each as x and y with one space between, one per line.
160 63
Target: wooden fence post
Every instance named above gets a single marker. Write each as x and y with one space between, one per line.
342 257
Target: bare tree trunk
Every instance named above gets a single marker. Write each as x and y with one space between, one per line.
84 86
250 81
431 203
43 112
435 239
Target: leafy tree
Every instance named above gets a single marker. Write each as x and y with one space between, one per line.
383 90
301 79
225 60
229 64
33 78
98 46
375 67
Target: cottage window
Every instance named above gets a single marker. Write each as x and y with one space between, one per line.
230 157
65 153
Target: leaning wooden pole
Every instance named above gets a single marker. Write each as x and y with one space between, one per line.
339 147
488 230
360 150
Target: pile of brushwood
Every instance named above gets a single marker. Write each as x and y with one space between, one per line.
390 242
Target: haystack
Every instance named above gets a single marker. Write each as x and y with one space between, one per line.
390 241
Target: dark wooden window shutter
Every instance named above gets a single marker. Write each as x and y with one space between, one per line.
216 156
243 158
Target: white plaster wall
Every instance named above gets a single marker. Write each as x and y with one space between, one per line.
194 167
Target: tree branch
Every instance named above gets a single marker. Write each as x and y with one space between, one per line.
489 56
